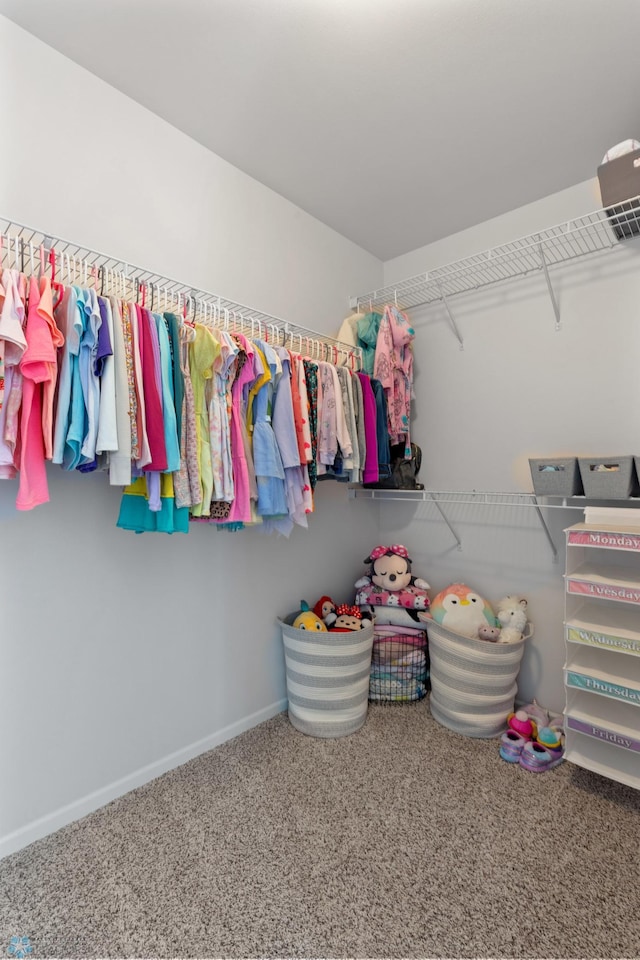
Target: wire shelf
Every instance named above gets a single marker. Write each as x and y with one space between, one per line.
593 233
29 249
480 498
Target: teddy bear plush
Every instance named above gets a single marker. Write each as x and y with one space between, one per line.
511 614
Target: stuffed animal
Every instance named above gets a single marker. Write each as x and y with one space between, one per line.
348 618
512 617
460 609
391 570
325 608
307 619
485 632
523 725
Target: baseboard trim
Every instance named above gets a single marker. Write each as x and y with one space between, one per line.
37 829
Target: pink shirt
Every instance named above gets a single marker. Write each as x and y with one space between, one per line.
393 367
370 472
38 368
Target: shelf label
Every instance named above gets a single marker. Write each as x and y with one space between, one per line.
592 639
603 687
606 591
601 733
601 538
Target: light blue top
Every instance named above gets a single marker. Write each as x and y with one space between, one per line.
168 404
69 323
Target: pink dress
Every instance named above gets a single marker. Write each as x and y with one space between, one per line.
393 367
38 367
241 506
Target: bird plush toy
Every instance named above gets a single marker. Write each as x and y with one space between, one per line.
461 609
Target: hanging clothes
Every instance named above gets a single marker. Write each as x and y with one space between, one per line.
370 472
348 332
188 489
270 475
296 477
120 458
367 332
220 418
37 366
382 432
169 419
358 404
351 464
202 352
192 422
393 367
311 378
241 507
12 337
136 515
105 369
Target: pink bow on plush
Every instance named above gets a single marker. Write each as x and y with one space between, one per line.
382 551
344 610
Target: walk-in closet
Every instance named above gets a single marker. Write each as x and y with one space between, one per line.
319 478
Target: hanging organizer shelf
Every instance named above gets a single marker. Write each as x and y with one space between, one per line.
482 498
587 235
27 248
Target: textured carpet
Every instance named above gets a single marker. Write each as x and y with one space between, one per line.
404 840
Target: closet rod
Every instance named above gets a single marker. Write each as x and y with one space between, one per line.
28 248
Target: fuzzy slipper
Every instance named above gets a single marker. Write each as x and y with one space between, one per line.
537 759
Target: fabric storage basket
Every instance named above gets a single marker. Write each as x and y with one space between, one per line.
399 665
467 723
327 678
473 682
558 477
608 478
619 180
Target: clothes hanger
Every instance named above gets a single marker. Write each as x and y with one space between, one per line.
56 285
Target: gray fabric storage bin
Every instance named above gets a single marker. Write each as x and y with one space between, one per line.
327 678
619 181
608 484
563 480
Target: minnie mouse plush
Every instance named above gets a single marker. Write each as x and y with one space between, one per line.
349 618
390 589
391 570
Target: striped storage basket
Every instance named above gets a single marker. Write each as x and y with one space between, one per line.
327 679
473 682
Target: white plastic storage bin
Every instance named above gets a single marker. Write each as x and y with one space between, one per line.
556 477
473 682
327 678
608 478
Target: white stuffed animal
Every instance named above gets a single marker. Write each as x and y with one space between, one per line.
511 614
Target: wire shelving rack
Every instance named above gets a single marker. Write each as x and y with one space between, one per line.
30 250
583 236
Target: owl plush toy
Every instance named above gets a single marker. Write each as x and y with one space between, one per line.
462 610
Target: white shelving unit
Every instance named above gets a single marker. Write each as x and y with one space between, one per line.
594 233
602 639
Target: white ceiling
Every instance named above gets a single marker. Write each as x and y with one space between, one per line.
396 122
